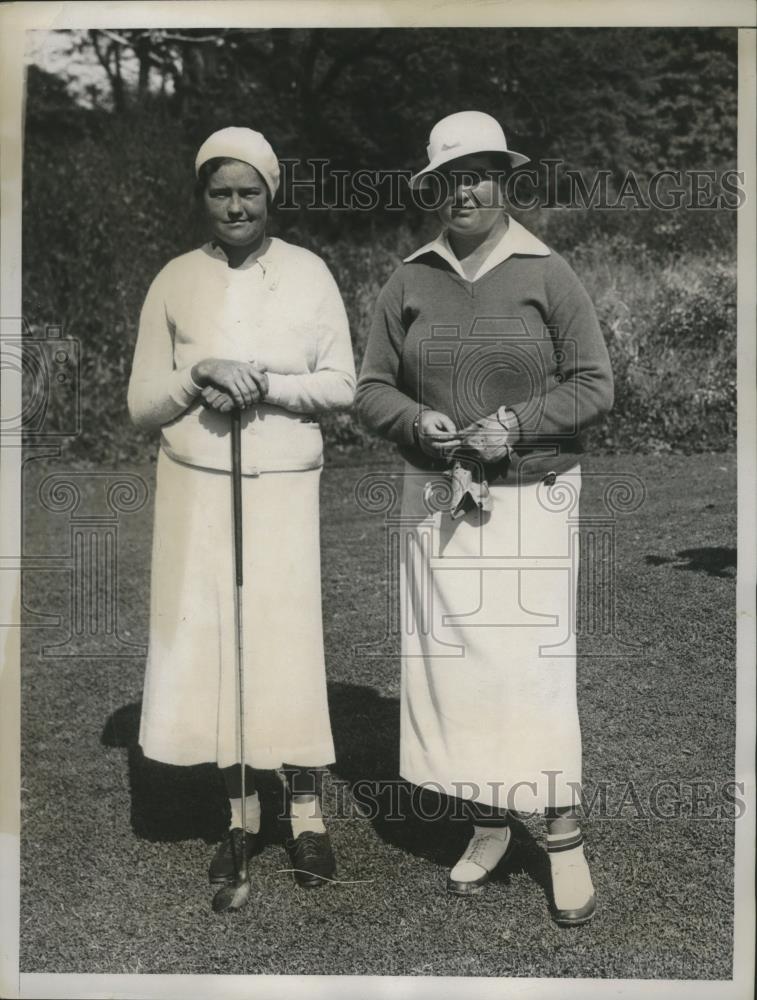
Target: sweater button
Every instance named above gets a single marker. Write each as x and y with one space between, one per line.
558 378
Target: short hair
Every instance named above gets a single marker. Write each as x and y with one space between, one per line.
209 167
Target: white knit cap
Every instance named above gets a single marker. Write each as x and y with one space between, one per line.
246 145
461 134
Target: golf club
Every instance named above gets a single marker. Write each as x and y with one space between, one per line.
235 895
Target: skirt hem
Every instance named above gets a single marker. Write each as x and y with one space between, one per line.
318 757
539 803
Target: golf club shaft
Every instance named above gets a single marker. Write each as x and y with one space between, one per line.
236 487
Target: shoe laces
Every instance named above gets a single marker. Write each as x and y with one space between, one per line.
477 846
307 844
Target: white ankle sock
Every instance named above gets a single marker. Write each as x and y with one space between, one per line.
484 852
571 881
305 814
252 813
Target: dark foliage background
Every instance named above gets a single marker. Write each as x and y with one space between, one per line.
108 189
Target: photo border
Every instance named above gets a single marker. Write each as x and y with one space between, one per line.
15 19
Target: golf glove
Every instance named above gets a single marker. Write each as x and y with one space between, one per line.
492 437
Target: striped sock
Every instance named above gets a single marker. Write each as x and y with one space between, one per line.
571 881
557 843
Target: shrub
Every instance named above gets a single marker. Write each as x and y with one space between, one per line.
671 334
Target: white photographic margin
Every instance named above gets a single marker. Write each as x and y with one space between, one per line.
15 20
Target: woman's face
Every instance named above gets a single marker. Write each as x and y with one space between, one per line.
236 202
474 195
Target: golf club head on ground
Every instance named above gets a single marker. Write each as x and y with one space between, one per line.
233 896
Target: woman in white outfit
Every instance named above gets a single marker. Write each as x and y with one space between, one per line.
484 363
252 322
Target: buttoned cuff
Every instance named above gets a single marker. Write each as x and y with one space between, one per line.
410 425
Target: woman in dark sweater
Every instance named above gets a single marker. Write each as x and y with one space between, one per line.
484 363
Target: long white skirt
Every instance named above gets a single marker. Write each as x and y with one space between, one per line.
488 705
190 705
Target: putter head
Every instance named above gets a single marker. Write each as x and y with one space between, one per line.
233 896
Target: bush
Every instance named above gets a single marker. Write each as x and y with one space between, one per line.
671 334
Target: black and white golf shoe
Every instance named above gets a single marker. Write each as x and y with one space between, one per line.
227 859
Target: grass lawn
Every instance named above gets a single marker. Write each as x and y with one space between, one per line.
115 848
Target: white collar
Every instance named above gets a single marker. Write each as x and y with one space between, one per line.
263 259
515 239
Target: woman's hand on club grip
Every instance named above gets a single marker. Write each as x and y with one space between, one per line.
214 399
228 384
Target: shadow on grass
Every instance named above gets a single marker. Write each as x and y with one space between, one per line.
714 561
171 803
418 821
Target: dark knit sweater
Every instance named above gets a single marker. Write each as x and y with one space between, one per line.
524 335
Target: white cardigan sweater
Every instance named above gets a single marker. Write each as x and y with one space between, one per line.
282 310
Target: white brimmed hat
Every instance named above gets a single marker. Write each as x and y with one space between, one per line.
461 134
243 144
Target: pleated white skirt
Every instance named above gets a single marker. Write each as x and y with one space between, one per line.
190 704
488 693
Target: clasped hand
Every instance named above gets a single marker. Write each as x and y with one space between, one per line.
230 384
486 439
